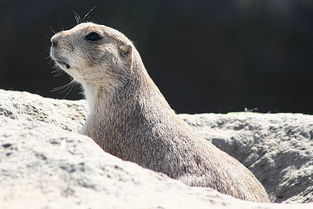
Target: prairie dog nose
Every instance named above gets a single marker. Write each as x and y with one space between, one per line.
54 43
54 40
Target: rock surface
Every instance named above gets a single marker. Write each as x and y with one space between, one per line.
45 163
277 148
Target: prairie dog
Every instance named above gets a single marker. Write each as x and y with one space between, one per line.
130 118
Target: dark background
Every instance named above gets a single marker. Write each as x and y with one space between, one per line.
205 56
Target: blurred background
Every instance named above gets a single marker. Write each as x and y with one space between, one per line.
205 56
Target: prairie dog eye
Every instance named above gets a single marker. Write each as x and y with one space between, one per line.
93 36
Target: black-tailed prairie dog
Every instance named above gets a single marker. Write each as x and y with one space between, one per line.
131 119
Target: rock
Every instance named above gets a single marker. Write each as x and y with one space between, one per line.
45 163
277 148
69 115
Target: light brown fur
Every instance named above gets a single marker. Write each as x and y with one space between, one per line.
131 119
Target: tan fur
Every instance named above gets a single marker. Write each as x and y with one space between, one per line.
131 119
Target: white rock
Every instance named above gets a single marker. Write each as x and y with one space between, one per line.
44 163
277 148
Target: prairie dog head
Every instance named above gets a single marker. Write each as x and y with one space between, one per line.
93 54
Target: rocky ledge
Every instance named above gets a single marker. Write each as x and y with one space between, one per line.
45 163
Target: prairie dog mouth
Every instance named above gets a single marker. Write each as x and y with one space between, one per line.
58 59
62 63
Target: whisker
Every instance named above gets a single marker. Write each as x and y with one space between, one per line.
63 88
57 72
88 13
80 91
62 27
77 17
71 88
51 29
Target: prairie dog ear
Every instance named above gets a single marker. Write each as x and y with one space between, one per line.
125 50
